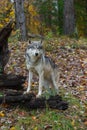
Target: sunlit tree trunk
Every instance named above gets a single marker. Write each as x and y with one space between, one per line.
69 17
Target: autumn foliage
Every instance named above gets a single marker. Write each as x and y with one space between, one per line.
44 17
6 12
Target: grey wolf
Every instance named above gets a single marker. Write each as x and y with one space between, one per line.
37 62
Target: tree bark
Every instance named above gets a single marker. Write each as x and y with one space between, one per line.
7 81
20 18
4 51
11 81
86 17
69 17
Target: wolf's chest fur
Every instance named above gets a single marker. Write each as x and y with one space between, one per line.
36 68
41 65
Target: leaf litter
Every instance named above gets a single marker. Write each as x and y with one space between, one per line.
72 63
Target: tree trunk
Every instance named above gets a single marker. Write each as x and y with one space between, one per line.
7 81
4 51
69 17
20 18
86 17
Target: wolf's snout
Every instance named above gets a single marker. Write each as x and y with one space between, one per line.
36 54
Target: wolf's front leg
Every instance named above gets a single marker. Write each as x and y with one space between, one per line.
41 78
29 82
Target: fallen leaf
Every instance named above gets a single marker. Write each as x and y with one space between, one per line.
73 122
85 123
34 117
81 88
2 114
48 127
12 128
35 128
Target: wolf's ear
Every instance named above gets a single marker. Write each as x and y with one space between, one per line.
30 41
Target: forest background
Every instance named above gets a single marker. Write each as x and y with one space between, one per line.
47 17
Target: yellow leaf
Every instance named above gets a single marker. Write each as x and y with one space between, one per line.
12 128
2 114
11 13
31 8
7 19
73 122
6 8
1 26
35 128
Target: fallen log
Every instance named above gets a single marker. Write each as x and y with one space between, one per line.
11 81
30 101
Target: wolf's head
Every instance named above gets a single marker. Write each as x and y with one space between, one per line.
35 50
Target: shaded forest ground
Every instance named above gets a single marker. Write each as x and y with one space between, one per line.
71 57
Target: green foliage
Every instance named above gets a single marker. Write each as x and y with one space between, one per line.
48 11
81 17
60 15
49 35
52 15
15 36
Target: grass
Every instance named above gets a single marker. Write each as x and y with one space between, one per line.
48 119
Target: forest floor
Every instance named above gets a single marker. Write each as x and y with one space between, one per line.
71 57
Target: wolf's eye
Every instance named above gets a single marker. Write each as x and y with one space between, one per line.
31 47
40 47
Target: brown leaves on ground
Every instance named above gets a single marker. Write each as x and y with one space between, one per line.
71 59
71 62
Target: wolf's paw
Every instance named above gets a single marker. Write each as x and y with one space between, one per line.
38 95
25 92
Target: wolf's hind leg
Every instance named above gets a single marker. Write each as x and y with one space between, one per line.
47 85
54 83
